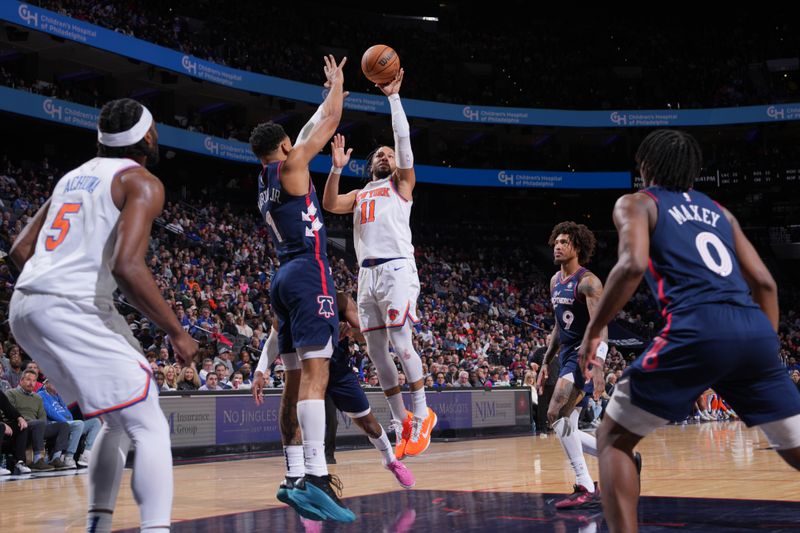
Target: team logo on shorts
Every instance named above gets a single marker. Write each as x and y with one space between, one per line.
393 314
325 306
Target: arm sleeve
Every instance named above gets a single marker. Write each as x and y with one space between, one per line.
269 353
402 134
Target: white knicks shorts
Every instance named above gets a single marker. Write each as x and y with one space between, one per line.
86 349
387 294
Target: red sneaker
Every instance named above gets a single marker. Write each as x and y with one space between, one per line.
402 432
581 498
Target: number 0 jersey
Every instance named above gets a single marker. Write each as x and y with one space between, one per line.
75 245
692 253
381 227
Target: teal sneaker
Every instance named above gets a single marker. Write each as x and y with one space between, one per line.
285 495
316 493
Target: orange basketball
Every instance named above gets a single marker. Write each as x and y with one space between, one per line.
380 64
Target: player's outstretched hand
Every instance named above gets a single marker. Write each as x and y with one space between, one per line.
393 87
339 157
333 72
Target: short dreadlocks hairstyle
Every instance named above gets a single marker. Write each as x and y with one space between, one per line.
671 159
266 137
116 116
580 236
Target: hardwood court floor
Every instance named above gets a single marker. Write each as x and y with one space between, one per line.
710 460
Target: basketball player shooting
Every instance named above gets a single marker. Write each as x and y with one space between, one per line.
388 284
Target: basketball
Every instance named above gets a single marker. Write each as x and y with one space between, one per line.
380 64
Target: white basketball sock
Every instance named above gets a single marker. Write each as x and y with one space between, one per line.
311 416
588 441
568 437
295 460
419 404
383 445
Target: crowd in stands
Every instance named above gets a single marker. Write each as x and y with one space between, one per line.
497 57
484 308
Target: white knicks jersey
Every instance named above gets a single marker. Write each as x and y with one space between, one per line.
381 228
74 247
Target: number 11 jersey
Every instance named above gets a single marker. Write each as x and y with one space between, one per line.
381 222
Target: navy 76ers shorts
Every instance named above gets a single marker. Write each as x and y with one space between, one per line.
303 298
343 386
731 349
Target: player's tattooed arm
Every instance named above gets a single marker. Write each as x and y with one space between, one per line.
552 347
553 344
552 350
591 289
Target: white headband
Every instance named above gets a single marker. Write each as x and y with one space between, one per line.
129 137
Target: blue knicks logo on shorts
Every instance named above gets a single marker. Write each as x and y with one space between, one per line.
325 306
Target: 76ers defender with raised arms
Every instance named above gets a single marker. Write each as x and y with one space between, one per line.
303 298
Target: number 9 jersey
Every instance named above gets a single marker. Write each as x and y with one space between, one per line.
570 312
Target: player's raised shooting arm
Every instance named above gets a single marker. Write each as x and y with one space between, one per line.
632 218
333 201
25 243
755 273
143 202
404 157
319 129
591 290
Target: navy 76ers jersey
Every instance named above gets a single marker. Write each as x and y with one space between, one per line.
295 222
570 311
692 253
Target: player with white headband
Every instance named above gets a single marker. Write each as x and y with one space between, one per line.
89 238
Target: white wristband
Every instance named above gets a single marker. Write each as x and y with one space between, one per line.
602 351
336 170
